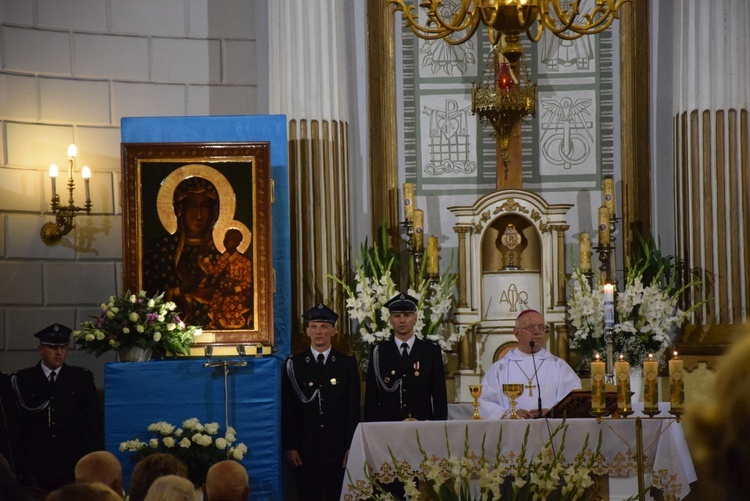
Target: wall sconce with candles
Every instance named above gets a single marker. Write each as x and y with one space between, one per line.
52 233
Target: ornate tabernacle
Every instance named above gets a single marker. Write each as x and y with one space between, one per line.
498 277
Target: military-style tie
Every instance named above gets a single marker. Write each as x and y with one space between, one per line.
321 360
404 350
52 376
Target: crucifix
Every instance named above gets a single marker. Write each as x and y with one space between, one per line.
530 387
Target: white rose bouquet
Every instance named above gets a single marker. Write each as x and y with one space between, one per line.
197 445
137 320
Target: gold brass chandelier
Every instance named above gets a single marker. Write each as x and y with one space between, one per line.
563 18
497 100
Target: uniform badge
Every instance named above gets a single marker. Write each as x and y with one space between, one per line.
333 381
387 380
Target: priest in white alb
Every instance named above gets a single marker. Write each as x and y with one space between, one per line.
540 372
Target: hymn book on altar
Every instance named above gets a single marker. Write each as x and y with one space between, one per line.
577 404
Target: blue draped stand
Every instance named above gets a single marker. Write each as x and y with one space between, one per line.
138 394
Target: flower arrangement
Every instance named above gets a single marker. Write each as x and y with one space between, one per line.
647 310
137 320
197 445
546 475
374 285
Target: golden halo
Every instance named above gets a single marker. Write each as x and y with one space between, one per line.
221 229
165 197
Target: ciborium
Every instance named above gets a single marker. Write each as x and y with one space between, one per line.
513 390
475 390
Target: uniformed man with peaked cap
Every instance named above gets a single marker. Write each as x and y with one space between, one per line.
61 418
320 409
405 375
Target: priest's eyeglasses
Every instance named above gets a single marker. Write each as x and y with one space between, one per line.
536 329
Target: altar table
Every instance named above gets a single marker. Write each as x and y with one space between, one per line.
667 463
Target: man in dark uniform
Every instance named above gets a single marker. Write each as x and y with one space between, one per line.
320 409
61 421
405 375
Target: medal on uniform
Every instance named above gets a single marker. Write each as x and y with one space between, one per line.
333 381
416 368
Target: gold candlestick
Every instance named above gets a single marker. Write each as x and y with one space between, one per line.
475 390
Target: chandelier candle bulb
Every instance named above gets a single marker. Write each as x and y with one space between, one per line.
598 395
650 384
604 237
676 384
432 256
408 201
53 173
418 229
584 251
622 376
609 306
608 195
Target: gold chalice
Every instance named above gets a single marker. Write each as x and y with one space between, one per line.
475 390
512 391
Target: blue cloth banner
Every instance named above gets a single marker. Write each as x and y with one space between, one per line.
173 391
139 394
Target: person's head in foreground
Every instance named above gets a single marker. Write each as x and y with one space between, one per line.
100 466
717 429
226 481
148 469
95 491
171 488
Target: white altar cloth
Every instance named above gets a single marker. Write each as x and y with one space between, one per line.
668 465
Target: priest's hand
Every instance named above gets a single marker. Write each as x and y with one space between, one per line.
535 413
293 457
523 413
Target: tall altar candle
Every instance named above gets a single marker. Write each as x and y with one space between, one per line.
418 237
622 376
609 306
604 237
676 384
650 384
598 394
431 266
584 251
408 201
608 194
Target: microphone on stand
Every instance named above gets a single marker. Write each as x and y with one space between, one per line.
536 374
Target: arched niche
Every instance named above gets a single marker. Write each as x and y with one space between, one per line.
497 257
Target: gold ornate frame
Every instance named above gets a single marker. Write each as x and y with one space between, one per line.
240 172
